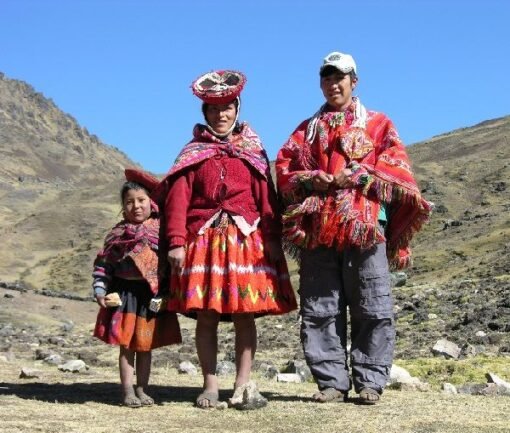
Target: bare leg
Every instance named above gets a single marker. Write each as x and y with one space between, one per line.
127 369
246 346
143 371
206 338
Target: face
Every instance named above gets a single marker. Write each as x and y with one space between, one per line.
337 89
221 117
137 206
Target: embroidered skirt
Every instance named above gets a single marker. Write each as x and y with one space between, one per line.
227 272
133 325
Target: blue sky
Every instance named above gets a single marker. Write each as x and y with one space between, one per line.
123 68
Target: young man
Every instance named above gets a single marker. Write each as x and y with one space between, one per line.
351 208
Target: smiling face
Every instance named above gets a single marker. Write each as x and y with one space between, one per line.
337 88
221 117
136 205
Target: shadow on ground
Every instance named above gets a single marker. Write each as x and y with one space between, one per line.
109 393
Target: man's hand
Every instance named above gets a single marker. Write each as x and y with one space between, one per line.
321 181
176 258
343 179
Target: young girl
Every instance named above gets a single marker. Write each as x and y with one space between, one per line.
126 277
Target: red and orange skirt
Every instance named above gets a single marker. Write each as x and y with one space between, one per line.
228 272
132 325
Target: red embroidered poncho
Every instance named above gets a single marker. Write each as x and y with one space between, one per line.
368 143
210 175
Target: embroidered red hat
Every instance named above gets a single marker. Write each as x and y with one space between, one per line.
139 176
219 87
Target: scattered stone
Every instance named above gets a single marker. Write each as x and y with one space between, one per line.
30 373
398 279
448 388
67 326
289 378
399 374
480 334
447 349
432 316
298 367
53 359
492 378
186 367
268 370
74 366
57 341
225 368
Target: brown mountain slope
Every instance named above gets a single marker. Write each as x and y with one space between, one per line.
58 191
466 174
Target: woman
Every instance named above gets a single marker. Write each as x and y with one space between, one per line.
223 231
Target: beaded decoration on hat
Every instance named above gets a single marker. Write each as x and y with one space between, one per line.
219 87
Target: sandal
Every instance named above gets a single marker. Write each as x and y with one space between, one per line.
247 397
209 396
145 400
327 395
369 396
131 400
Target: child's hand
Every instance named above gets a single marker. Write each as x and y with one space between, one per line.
176 258
100 300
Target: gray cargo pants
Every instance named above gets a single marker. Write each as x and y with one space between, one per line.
329 283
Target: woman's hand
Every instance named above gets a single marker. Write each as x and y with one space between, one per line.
343 179
273 251
321 181
176 258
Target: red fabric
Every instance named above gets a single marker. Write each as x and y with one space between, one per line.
139 242
348 217
145 179
219 183
228 272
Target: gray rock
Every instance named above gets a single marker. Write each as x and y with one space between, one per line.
53 359
492 378
225 368
67 326
299 367
447 349
398 279
186 367
268 370
30 373
74 366
399 374
289 378
448 388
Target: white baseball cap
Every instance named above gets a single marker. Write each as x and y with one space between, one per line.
343 62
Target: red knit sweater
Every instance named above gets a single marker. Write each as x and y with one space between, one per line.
219 183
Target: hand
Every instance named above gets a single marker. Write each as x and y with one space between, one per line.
176 258
273 251
343 179
321 181
100 301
